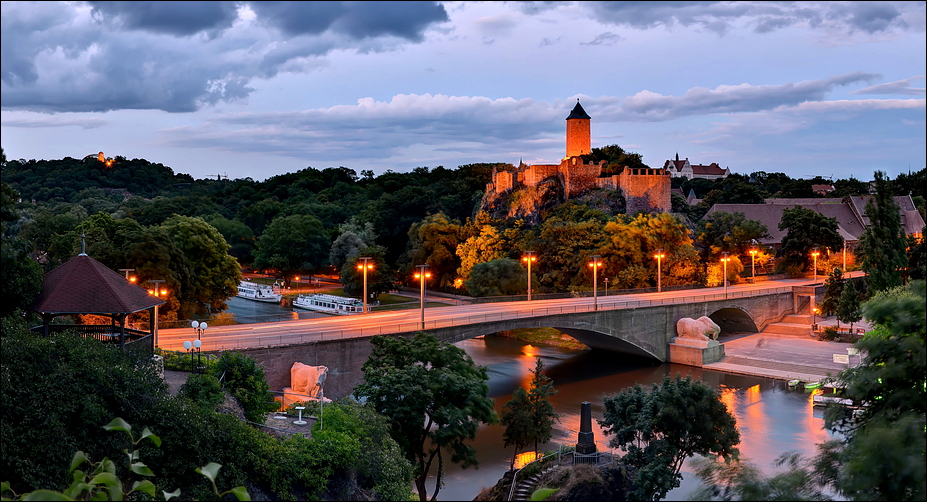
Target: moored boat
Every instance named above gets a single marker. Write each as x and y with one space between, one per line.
329 304
812 385
794 383
258 292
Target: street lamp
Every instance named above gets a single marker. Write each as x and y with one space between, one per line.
155 292
814 319
365 266
659 256
127 270
814 254
422 275
528 258
297 284
724 259
606 286
192 347
753 252
199 328
844 256
595 264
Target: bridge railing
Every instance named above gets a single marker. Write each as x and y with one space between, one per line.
301 333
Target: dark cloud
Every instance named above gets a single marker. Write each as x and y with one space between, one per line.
902 87
59 57
607 38
870 17
358 20
651 106
175 18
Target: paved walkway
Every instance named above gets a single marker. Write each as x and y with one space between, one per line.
784 357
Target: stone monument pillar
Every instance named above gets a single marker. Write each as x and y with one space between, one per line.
586 442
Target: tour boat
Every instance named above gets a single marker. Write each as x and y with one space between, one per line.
258 292
329 304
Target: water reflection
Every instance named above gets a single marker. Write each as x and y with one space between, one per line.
771 419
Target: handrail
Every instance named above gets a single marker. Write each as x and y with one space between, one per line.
514 476
297 334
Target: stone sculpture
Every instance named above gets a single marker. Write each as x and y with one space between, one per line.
702 329
305 384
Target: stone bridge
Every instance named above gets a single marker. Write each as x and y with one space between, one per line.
643 331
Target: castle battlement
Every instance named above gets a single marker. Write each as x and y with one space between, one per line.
644 189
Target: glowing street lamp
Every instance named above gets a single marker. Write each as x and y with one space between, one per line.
753 252
365 266
528 258
297 284
814 254
595 264
814 312
724 259
159 293
127 270
422 275
659 256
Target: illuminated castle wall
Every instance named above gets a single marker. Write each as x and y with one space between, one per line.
644 189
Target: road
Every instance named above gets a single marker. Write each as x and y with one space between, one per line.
375 323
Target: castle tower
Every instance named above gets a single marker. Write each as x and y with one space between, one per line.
578 138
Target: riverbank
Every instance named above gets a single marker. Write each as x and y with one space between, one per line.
545 337
781 357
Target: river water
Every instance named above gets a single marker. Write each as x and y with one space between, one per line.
771 419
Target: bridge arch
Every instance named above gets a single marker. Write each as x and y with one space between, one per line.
733 319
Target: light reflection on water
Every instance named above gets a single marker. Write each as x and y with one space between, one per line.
771 419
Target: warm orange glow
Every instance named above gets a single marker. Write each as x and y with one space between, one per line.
360 266
458 282
523 459
132 279
815 253
163 292
418 275
659 256
726 259
753 251
816 310
528 258
530 350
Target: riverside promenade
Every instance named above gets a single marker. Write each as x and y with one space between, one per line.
784 357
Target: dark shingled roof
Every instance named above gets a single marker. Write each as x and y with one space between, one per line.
578 112
83 285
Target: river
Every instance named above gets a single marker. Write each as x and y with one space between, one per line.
771 419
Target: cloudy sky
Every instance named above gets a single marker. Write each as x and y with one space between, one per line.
254 89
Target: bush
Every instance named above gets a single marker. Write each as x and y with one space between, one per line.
244 379
829 334
204 390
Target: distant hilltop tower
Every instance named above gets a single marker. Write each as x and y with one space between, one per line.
101 157
578 137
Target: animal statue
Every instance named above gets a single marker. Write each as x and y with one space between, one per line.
307 380
702 328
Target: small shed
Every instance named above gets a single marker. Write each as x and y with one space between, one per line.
83 285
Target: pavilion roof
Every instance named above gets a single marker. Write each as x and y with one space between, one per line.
83 285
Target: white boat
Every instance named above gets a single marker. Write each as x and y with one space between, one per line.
258 292
824 400
329 304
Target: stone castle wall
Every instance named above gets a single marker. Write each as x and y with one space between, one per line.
645 190
578 177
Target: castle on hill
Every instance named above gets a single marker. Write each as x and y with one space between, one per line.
644 189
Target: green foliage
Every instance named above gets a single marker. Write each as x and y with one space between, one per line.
20 275
244 379
616 159
204 390
516 417
917 256
529 416
679 418
502 276
434 396
833 289
380 280
806 230
848 305
726 232
883 243
214 274
293 245
740 480
433 241
55 392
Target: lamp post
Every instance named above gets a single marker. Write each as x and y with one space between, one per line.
753 252
366 265
528 258
297 284
606 286
192 347
422 275
155 292
724 259
814 318
844 256
659 256
127 270
595 264
814 254
199 328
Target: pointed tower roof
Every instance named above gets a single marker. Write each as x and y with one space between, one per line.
578 112
83 285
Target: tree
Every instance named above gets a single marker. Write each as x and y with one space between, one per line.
883 243
292 245
806 230
833 289
502 276
721 232
847 309
380 280
214 274
516 417
679 418
433 241
917 256
434 396
542 411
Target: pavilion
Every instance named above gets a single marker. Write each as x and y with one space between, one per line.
83 285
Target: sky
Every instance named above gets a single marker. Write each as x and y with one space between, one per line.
256 89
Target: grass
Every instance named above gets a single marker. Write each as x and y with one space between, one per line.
544 336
